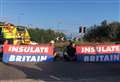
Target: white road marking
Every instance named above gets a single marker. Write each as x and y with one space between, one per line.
54 77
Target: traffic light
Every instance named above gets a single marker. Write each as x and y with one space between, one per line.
82 29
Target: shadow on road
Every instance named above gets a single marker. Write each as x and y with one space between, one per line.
68 70
31 73
75 71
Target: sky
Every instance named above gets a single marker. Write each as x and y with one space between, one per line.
63 15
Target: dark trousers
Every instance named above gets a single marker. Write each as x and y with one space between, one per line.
70 58
1 52
10 41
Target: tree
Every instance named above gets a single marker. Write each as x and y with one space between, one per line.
104 32
43 36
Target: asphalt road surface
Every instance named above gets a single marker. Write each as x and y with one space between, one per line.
60 72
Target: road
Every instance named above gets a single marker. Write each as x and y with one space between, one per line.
60 72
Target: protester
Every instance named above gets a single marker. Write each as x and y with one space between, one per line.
52 43
55 51
69 52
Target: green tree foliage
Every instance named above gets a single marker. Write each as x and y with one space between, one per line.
1 23
105 32
44 36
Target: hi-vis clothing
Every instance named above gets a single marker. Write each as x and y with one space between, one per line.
26 37
9 33
26 34
16 40
19 38
22 38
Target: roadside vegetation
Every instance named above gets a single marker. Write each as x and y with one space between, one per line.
103 33
106 32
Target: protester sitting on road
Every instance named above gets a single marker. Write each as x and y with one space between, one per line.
55 53
69 52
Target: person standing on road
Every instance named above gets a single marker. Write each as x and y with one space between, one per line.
69 52
9 33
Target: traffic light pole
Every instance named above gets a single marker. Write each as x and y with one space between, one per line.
82 31
81 40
